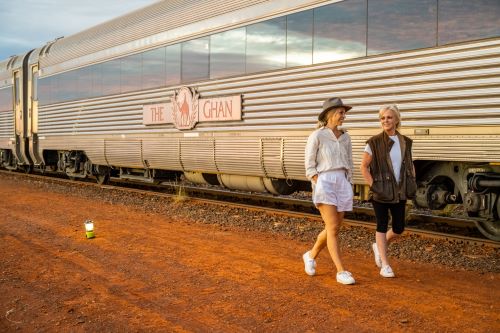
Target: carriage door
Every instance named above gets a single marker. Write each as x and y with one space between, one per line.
18 111
32 123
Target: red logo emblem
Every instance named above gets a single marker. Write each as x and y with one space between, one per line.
185 108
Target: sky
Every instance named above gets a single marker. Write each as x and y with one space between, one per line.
28 24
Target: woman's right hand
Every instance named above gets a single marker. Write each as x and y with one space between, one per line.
314 179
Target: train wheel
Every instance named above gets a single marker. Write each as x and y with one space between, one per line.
101 174
102 179
491 229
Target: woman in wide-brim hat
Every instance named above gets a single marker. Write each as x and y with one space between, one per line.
328 162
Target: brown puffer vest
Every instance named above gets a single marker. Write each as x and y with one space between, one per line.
385 188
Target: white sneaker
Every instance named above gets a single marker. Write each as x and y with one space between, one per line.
378 260
345 277
309 264
387 272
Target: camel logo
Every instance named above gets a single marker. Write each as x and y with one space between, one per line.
185 108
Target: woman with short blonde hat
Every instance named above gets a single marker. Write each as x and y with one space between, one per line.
387 167
328 162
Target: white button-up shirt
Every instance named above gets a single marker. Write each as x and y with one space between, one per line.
324 152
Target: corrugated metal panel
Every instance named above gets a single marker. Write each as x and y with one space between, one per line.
293 153
162 153
237 155
124 153
198 154
272 157
95 150
7 124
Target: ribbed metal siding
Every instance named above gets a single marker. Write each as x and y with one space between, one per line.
124 153
293 152
151 20
7 124
198 155
162 153
446 86
237 155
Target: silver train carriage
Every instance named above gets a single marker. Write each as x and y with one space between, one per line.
226 92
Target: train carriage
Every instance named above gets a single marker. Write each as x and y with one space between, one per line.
226 92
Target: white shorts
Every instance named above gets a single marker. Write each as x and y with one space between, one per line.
333 188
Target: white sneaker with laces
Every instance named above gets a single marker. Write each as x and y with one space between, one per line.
378 260
345 277
387 272
309 264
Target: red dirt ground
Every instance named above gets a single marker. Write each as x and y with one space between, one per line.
151 273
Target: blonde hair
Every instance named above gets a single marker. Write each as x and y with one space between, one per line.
324 121
395 110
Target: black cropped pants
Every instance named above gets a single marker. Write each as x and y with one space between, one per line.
382 215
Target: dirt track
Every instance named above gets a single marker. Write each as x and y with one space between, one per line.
151 272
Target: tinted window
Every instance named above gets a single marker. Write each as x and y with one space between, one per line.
44 91
195 59
299 39
266 45
111 77
227 53
153 68
6 99
65 87
461 20
34 86
396 25
340 31
131 73
84 82
96 71
173 57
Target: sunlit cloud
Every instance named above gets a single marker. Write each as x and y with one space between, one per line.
50 19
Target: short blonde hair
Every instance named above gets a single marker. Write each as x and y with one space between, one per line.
395 110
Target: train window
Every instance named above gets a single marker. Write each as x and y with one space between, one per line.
111 77
44 91
153 68
266 45
69 86
396 25
340 31
227 53
299 39
58 93
131 73
17 91
96 72
173 62
458 20
6 99
84 82
195 57
34 86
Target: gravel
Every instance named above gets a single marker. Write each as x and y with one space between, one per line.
411 247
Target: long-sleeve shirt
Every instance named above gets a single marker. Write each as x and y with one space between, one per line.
324 152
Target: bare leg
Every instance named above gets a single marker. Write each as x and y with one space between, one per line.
319 245
333 220
383 240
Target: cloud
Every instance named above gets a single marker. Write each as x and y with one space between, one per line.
28 24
